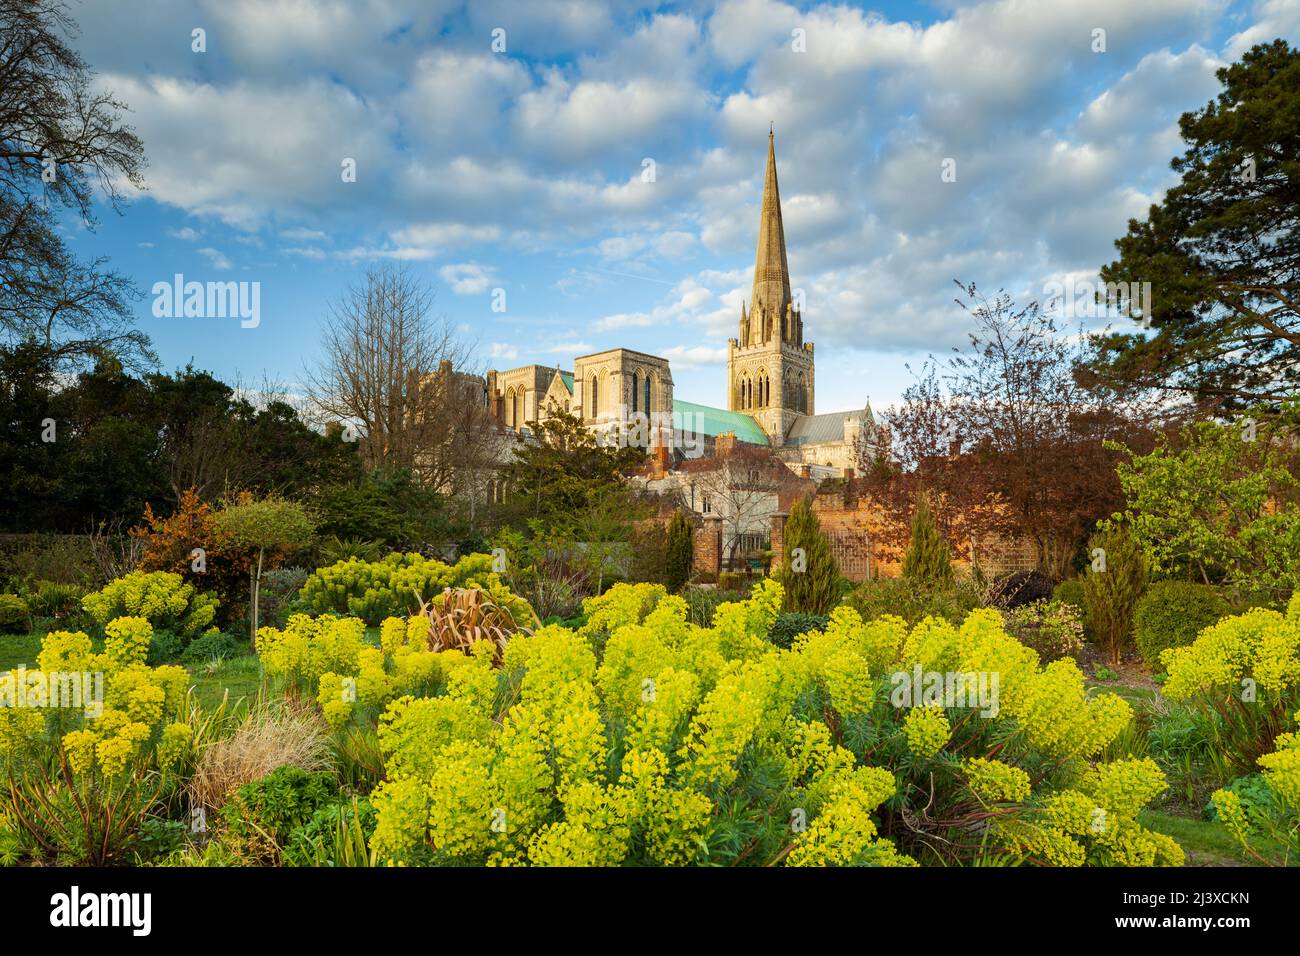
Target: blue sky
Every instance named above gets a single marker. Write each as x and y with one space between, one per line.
523 170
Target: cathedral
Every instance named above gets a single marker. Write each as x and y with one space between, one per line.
771 396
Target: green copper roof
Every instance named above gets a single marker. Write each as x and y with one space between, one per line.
687 416
568 381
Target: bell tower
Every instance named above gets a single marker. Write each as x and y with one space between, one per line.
770 367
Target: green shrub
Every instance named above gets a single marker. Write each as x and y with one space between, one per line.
160 597
165 647
702 602
14 615
1052 628
1113 590
317 840
928 559
259 819
808 572
52 599
787 627
913 600
1172 614
1071 592
679 552
212 644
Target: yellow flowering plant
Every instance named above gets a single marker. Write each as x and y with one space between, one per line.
1279 822
643 739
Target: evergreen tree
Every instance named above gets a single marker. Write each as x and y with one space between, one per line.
1113 586
680 552
928 560
808 572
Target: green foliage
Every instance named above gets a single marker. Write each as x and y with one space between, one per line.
388 507
787 627
164 648
702 602
928 559
14 615
649 553
1222 503
336 835
393 587
680 552
1172 614
1219 250
1053 629
159 597
269 526
913 600
1113 590
212 645
261 816
52 599
1072 592
809 572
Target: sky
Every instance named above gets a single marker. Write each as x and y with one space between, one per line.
570 176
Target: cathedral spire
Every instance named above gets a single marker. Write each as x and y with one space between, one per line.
771 294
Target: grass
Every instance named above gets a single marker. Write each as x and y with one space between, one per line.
1206 843
240 677
17 650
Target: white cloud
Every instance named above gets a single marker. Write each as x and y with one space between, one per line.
467 278
216 257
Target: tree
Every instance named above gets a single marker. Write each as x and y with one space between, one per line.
808 572
928 560
1007 439
269 528
61 142
1221 251
680 552
1220 502
388 372
1113 586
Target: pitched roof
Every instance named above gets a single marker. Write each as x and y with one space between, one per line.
714 421
567 377
812 429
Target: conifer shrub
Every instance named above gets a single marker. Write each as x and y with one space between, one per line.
787 627
1172 614
1112 587
809 573
679 552
928 559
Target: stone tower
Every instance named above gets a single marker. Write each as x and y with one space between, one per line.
770 367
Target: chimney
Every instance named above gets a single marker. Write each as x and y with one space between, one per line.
661 460
724 444
848 473
805 471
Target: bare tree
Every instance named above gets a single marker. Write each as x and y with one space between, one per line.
743 489
390 376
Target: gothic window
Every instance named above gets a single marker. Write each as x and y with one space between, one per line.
595 396
636 390
519 408
646 407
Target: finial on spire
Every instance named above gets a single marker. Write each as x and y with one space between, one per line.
770 128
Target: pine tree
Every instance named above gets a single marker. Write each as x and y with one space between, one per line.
808 572
680 552
928 559
1112 587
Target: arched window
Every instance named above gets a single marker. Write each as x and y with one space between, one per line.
595 396
519 408
636 389
762 388
510 407
648 392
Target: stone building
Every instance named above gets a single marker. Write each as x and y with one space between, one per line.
771 392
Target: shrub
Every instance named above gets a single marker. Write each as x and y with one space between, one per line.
213 644
395 586
332 831
14 615
164 648
459 618
269 736
1071 592
809 573
928 559
160 597
914 600
260 816
1051 628
52 599
1268 804
1171 614
1114 588
279 592
702 602
1021 588
787 627
679 745
679 552
1243 675
648 560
